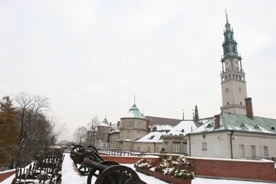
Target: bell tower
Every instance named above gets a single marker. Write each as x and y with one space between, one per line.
233 84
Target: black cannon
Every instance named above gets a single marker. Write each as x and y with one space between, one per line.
78 153
89 161
111 174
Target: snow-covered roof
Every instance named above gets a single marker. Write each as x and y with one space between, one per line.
239 123
161 127
134 113
152 137
182 128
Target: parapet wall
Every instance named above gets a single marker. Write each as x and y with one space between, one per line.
236 169
5 174
219 168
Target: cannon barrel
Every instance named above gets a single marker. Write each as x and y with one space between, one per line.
90 163
81 155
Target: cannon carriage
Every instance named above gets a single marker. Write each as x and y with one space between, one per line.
90 163
45 169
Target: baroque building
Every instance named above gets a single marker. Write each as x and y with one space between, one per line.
235 133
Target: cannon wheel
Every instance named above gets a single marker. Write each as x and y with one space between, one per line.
118 174
93 170
78 148
84 170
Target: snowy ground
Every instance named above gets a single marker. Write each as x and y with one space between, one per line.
70 176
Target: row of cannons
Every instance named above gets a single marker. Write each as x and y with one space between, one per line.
44 169
90 163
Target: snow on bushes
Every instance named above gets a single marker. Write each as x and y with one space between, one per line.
175 166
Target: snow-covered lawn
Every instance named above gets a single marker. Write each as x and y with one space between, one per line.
70 176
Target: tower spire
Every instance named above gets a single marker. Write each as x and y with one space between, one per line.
226 15
232 76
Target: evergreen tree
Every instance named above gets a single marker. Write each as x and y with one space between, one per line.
9 131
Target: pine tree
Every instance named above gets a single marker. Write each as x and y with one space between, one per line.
9 131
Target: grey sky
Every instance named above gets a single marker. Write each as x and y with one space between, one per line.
91 57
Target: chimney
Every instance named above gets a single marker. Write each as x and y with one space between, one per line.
217 121
118 123
249 108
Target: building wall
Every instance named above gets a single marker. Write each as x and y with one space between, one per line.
175 144
259 141
131 129
214 142
102 137
221 141
103 133
113 138
148 147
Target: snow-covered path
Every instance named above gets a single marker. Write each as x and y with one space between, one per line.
70 175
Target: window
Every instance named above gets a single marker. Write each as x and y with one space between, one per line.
148 149
128 134
203 135
204 145
242 154
166 146
253 151
176 147
265 151
138 148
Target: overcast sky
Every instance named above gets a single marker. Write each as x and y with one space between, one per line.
90 58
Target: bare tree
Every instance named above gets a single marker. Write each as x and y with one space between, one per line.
80 135
34 126
92 133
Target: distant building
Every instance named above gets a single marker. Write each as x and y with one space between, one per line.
175 140
103 131
132 127
150 143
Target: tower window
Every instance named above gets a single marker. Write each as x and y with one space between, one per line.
227 103
234 49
